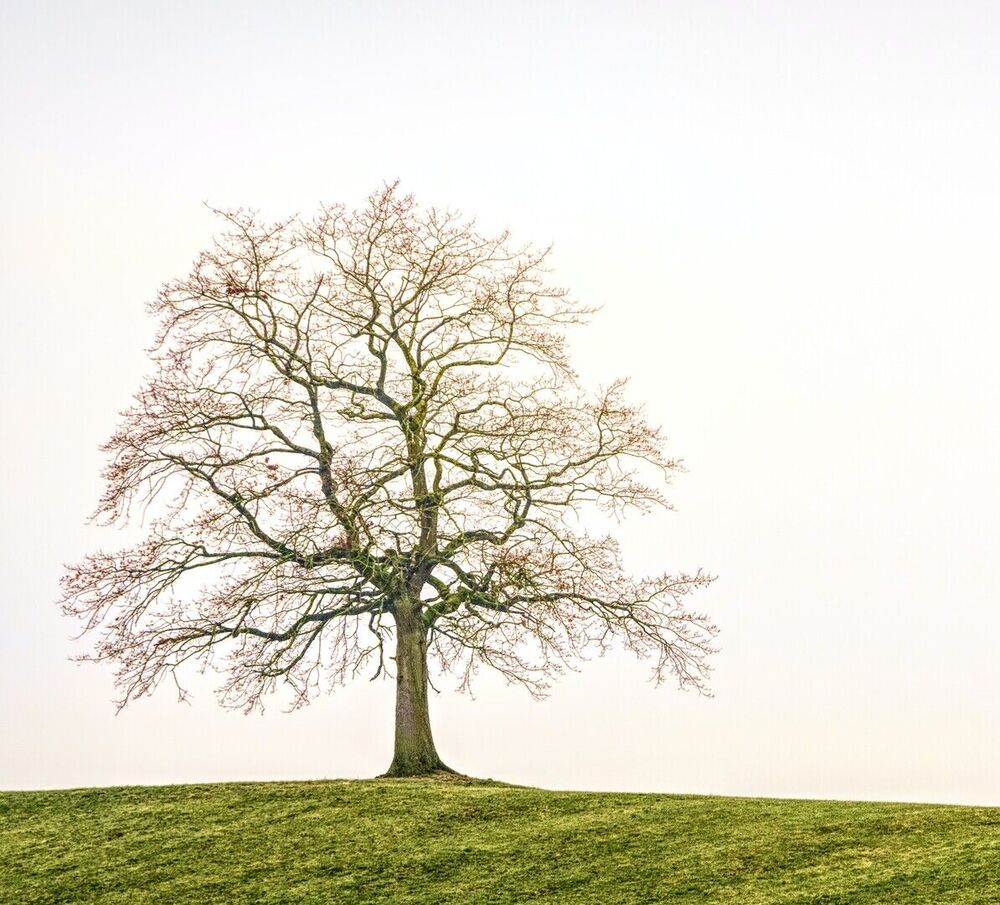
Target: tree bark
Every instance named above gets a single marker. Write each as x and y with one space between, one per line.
414 754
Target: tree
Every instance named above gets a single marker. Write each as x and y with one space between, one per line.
363 428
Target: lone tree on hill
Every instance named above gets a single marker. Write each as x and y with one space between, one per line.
363 429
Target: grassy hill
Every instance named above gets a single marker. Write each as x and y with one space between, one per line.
431 841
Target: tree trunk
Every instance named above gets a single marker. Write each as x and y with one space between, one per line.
415 753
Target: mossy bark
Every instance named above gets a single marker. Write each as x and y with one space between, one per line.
414 753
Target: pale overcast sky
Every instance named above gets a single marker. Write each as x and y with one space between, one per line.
790 213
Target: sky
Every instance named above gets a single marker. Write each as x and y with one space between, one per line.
789 214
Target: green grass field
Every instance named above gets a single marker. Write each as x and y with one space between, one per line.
431 841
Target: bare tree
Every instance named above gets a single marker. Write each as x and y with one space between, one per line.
364 427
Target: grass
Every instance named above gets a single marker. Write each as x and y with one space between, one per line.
435 841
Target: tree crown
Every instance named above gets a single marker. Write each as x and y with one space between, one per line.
363 413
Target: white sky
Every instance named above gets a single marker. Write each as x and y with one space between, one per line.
790 213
